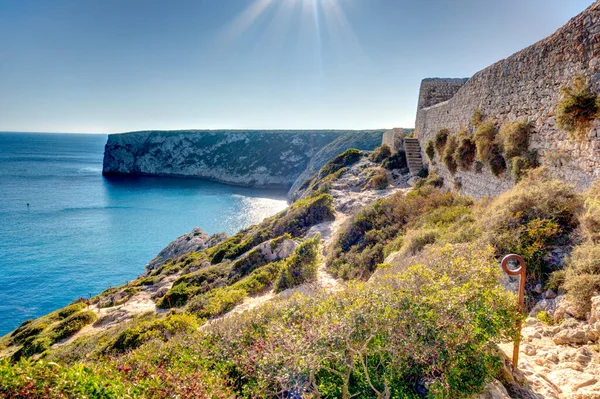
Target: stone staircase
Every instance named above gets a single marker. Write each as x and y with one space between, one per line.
413 155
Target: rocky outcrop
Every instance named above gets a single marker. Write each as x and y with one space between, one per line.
246 158
196 240
367 140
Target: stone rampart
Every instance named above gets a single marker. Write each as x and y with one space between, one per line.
524 86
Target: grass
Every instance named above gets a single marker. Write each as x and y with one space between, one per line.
577 109
465 153
430 150
380 153
477 118
448 157
514 138
377 180
440 139
485 141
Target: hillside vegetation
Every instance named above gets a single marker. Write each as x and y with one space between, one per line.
420 314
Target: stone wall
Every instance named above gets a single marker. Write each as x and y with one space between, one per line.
525 86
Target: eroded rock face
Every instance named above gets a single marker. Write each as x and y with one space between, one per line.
246 158
196 240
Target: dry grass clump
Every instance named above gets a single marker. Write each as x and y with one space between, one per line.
513 138
582 277
380 153
590 220
448 158
485 141
430 150
521 164
577 109
440 140
465 153
378 179
477 118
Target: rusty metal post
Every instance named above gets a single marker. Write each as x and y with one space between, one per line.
521 272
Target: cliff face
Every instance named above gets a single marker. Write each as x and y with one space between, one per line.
248 158
525 86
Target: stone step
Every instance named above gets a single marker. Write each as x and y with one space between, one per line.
414 159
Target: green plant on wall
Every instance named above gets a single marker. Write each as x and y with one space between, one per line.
577 109
513 138
464 156
440 140
430 150
448 157
477 118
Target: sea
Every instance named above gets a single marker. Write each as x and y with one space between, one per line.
67 232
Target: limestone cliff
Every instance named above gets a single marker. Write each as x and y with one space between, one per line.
247 158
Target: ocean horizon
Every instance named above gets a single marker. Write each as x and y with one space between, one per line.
83 232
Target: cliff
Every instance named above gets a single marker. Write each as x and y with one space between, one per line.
525 87
247 158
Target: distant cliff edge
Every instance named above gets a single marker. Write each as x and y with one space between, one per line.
247 158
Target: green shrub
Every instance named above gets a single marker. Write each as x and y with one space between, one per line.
396 161
521 164
176 297
448 157
160 328
73 324
301 267
545 318
477 118
514 138
380 153
590 220
577 109
345 159
497 163
440 140
430 150
217 302
378 179
582 277
415 240
485 141
465 153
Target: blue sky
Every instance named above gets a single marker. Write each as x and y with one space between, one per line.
103 66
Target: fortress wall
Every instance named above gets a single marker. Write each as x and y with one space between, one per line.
525 86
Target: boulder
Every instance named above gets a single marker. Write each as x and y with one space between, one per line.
196 240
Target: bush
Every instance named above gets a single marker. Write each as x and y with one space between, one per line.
378 179
396 161
577 109
301 267
521 164
477 118
464 156
448 157
415 240
345 159
590 220
430 150
485 141
514 138
380 153
73 324
160 328
537 214
497 163
440 140
582 277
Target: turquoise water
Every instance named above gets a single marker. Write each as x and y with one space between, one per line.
83 232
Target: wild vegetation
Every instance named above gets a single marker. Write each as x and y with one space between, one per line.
577 109
419 316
